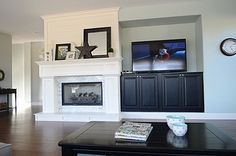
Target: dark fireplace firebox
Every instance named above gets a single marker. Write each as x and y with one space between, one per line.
84 93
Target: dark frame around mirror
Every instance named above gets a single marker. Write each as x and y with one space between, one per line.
101 37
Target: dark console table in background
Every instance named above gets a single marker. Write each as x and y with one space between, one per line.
98 138
7 92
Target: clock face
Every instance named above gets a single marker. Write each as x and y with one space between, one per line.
228 46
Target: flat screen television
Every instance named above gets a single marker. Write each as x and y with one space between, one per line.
162 55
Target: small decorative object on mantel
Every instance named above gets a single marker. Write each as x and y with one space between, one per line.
110 52
85 50
70 55
228 46
61 50
48 56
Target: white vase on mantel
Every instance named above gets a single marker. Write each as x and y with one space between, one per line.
111 54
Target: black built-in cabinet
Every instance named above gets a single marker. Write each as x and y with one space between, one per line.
139 92
162 92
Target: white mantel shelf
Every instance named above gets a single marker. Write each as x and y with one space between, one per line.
91 60
93 66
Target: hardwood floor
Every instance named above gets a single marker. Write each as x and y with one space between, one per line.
30 138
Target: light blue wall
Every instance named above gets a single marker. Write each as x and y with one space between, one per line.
161 32
218 22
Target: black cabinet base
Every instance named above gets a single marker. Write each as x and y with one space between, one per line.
162 92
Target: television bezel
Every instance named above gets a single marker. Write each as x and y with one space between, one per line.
159 71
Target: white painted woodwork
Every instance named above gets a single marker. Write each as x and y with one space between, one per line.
105 70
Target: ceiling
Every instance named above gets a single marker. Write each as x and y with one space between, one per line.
22 18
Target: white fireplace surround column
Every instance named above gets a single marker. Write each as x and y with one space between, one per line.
53 73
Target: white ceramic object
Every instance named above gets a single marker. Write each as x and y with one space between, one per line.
179 129
177 141
174 119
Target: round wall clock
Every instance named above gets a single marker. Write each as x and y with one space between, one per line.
2 75
228 46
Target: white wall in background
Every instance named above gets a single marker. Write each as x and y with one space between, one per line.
6 62
21 69
18 71
37 48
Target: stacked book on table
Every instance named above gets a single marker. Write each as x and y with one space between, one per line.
135 131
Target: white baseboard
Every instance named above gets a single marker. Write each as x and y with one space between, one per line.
86 117
76 117
162 115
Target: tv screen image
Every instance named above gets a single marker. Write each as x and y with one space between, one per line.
163 55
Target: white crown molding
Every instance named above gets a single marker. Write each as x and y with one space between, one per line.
97 12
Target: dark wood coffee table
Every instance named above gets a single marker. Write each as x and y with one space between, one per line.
98 138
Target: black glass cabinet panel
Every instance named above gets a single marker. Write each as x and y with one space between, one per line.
129 93
182 92
139 92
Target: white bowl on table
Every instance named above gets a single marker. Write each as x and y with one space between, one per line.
171 119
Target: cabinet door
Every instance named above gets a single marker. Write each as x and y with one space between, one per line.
148 93
171 89
129 87
193 92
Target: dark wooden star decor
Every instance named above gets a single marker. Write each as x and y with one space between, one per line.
85 50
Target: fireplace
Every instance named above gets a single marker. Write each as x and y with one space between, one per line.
82 94
102 103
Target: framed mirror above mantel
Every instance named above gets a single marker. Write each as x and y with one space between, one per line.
100 37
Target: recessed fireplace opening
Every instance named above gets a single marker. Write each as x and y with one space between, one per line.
82 94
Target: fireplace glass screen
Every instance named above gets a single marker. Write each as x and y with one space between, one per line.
86 93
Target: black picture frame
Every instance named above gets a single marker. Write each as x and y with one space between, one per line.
61 51
103 40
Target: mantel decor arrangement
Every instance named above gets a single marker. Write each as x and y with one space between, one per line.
96 44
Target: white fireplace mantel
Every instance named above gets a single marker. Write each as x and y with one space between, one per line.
94 66
53 73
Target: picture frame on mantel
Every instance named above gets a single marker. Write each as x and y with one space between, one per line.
100 37
61 51
70 55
